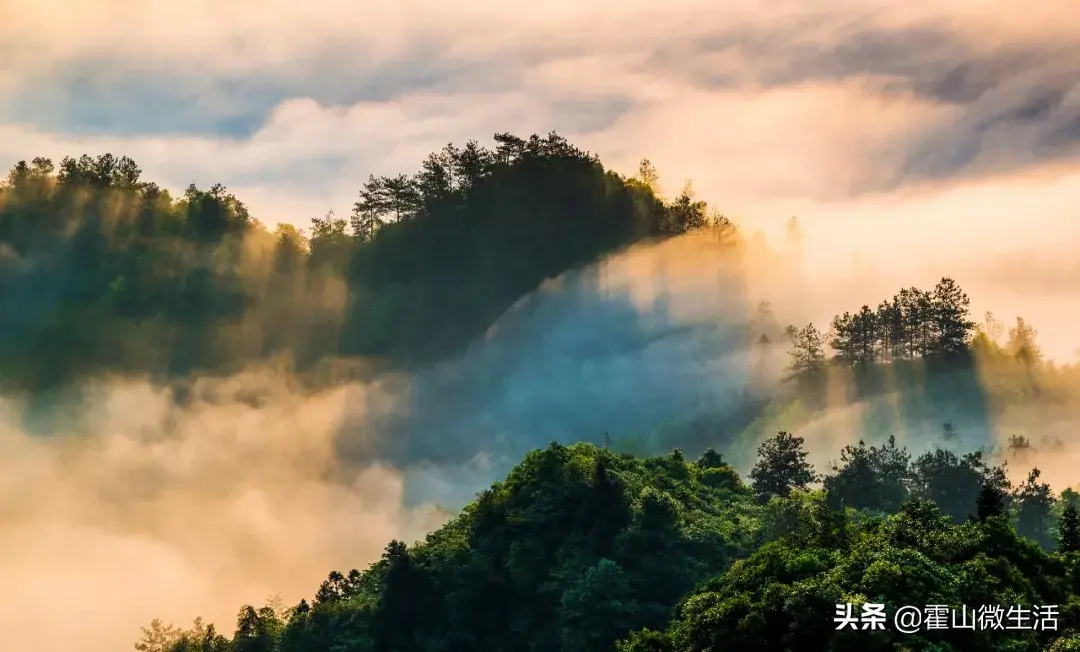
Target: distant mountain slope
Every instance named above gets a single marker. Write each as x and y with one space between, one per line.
102 272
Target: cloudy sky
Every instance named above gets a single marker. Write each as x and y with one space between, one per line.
912 139
893 130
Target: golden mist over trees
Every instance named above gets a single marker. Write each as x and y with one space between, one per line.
102 271
579 548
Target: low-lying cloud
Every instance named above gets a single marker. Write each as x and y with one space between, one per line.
193 503
135 506
187 503
764 106
913 141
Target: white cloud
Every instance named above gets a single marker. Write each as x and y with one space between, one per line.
691 85
176 511
773 109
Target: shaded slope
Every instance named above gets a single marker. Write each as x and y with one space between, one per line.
102 272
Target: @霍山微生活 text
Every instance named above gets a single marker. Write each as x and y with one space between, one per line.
909 619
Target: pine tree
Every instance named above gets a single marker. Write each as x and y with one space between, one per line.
370 212
990 503
890 323
856 337
951 314
1034 502
781 466
807 352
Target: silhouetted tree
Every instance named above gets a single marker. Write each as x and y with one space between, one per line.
685 213
871 477
256 631
1018 446
1069 529
892 331
399 598
991 502
781 466
807 352
711 459
1022 343
856 337
952 321
330 243
1034 501
648 175
371 210
952 483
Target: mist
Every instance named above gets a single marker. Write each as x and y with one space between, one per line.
190 503
911 141
189 499
181 510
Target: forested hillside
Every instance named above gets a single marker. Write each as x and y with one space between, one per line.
916 361
583 549
102 271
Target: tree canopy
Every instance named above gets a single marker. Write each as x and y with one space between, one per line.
102 271
580 548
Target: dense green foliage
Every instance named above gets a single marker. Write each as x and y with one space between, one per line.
101 271
577 547
580 548
778 598
583 549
